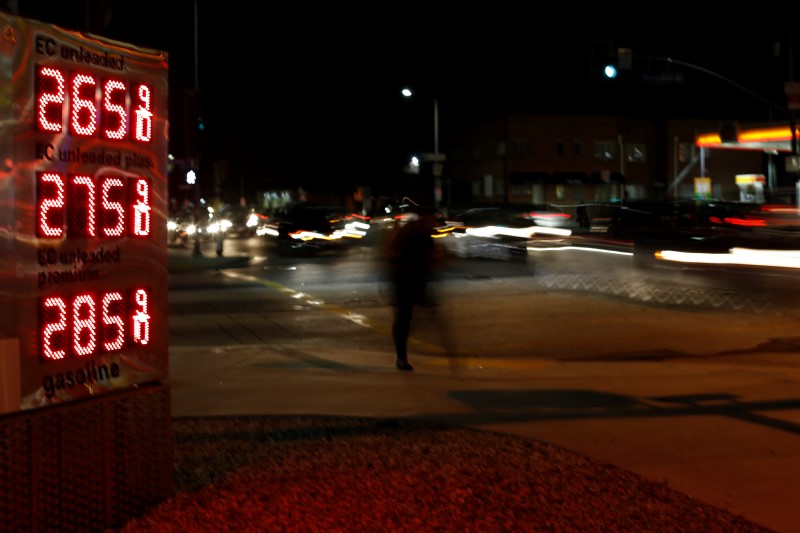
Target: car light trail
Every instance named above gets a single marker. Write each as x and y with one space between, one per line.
490 231
737 256
576 248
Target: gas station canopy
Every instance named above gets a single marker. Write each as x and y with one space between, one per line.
767 137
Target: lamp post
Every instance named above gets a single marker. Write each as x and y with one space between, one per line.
191 177
437 158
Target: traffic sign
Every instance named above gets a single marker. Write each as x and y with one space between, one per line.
436 158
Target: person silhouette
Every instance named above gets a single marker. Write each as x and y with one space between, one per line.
412 256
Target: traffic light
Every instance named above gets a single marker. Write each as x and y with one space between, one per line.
195 123
621 61
602 60
607 61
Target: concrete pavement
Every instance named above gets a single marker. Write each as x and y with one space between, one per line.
725 430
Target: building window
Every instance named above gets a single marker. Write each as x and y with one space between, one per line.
635 152
560 147
577 148
501 148
476 152
605 150
522 147
488 183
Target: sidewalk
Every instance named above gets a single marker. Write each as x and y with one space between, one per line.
183 259
310 437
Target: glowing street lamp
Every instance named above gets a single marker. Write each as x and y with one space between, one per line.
436 157
191 179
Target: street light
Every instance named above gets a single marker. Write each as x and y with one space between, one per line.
437 182
191 179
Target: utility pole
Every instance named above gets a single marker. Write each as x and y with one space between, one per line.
195 159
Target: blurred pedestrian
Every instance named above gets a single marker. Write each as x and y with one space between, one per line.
583 216
412 256
219 239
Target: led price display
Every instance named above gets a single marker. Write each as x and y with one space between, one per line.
80 206
92 106
85 271
86 324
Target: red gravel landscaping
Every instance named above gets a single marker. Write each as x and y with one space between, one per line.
351 474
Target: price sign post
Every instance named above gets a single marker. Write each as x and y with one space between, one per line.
83 276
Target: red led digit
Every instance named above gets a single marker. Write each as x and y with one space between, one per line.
50 97
83 105
143 111
140 195
115 117
84 325
112 217
54 326
81 222
50 205
113 326
141 317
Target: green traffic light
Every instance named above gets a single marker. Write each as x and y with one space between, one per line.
610 71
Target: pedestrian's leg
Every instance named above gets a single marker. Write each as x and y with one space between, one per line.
401 328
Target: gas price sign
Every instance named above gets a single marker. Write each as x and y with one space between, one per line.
83 189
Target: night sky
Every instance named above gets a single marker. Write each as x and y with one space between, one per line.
311 94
